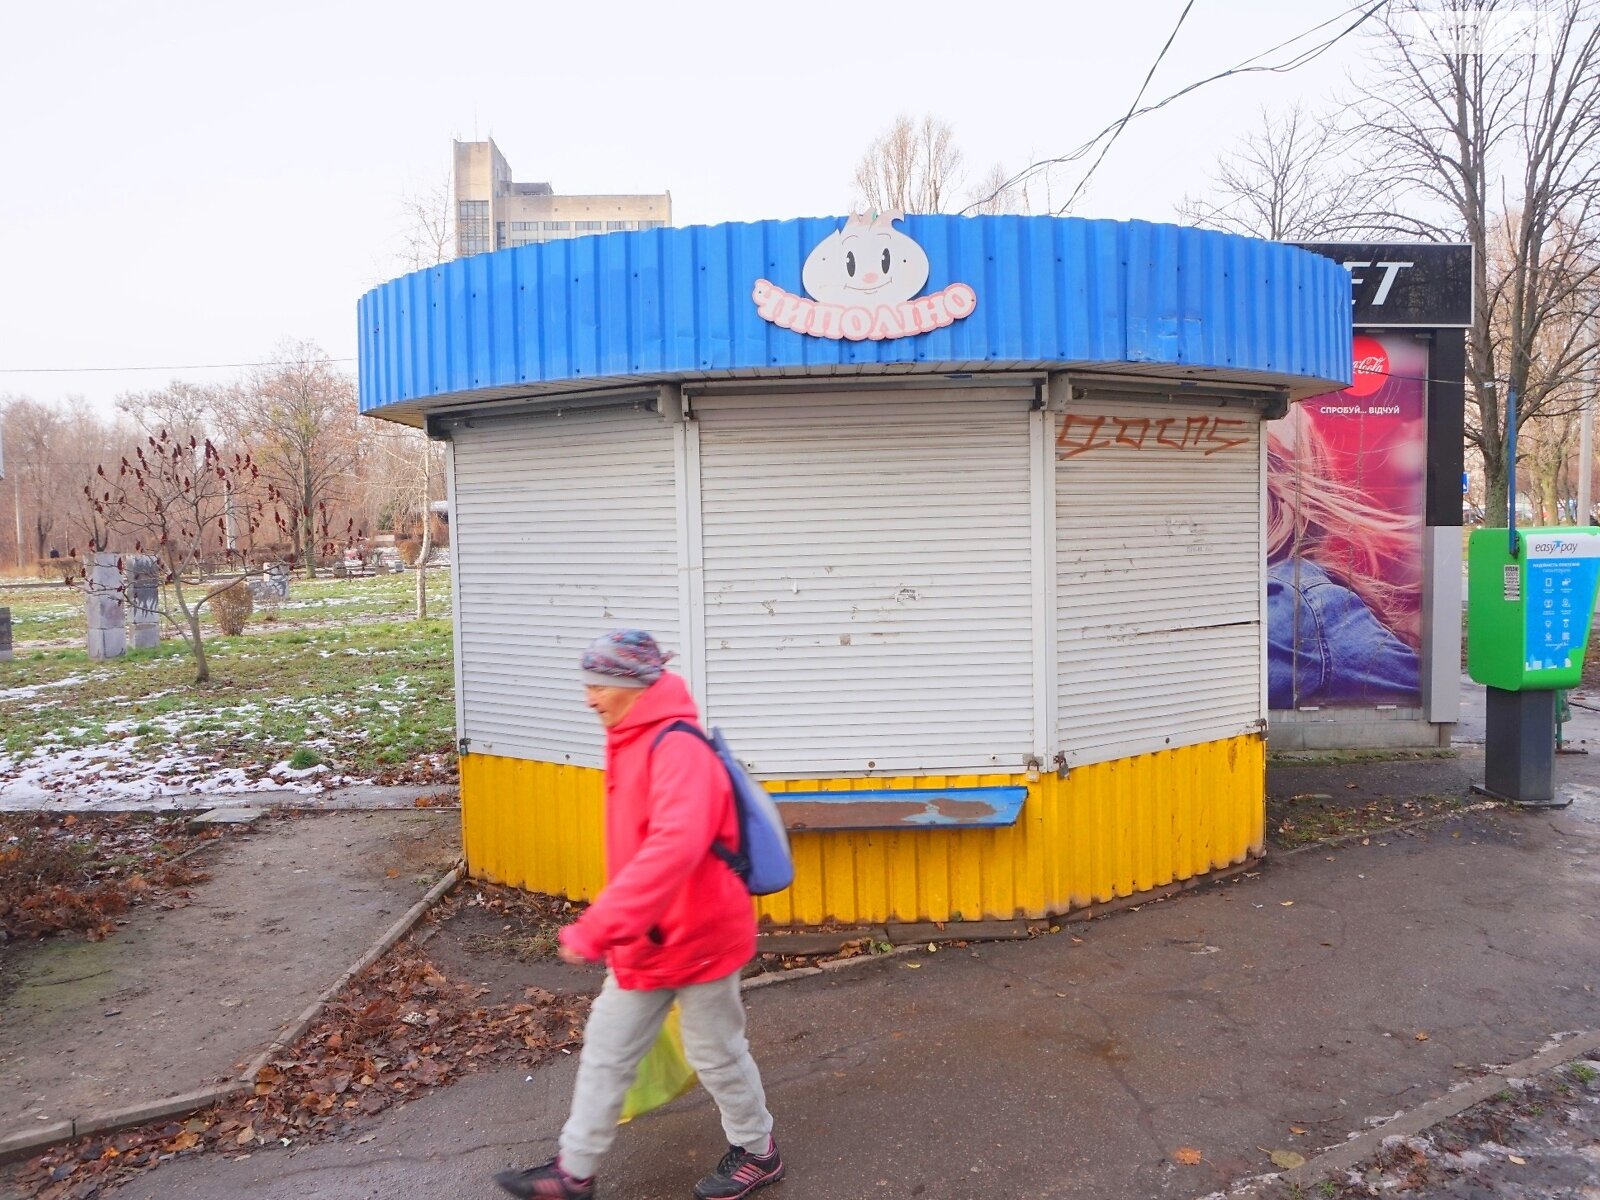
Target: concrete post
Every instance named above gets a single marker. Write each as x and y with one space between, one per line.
144 595
107 637
5 635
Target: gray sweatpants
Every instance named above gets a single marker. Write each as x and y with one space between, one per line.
623 1026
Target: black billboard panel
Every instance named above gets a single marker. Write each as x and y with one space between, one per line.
1423 285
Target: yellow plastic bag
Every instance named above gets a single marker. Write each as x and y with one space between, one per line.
664 1075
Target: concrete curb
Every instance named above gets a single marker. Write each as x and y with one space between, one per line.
1364 1145
295 1029
28 1142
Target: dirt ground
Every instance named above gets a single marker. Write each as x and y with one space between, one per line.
182 998
504 940
1314 797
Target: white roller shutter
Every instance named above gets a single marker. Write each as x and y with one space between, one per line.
1159 576
563 527
867 579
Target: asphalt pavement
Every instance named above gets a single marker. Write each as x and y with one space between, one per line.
1165 1051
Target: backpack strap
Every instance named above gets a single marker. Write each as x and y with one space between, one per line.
735 861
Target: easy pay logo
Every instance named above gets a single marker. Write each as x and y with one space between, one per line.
1564 547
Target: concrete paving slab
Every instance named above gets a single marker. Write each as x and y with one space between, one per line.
225 817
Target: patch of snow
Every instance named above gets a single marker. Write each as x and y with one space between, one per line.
113 771
325 602
33 689
284 771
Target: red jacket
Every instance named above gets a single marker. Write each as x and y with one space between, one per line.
672 913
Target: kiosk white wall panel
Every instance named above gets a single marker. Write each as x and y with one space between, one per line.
564 526
868 601
1160 590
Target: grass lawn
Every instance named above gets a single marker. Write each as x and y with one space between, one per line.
336 681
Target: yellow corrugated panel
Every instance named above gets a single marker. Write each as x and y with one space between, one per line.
1107 830
535 825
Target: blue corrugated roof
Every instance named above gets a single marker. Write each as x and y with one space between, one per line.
670 304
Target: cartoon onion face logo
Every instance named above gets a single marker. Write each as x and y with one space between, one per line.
863 282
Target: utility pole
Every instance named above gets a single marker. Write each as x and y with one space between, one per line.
1586 438
1586 461
16 495
16 507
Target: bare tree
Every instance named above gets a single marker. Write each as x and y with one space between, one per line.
1545 448
429 235
1287 180
913 167
33 435
299 417
1492 133
404 467
183 410
52 447
997 193
86 439
172 500
410 462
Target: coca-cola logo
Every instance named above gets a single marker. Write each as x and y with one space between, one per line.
1371 367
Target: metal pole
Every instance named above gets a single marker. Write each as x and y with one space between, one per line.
16 504
1586 464
1511 470
1586 448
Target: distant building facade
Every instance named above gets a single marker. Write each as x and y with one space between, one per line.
494 211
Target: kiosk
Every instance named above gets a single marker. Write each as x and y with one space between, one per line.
956 525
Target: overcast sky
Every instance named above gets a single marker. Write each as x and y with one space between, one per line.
190 182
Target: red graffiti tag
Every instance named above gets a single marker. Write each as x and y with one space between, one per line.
1083 432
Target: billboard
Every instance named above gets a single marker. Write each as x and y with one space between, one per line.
1346 486
1398 286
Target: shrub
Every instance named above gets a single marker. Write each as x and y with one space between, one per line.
59 568
232 608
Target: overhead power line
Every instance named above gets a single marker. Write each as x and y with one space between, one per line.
1252 65
171 367
1132 108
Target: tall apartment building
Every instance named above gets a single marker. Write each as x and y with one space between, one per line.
494 211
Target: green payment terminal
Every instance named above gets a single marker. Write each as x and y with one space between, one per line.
1528 618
